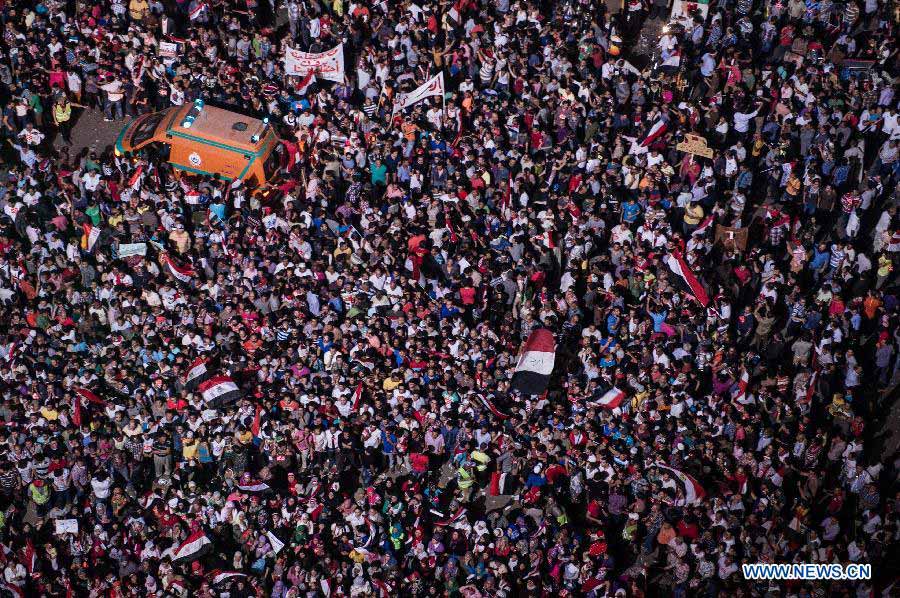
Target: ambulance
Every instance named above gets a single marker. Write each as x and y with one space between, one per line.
200 139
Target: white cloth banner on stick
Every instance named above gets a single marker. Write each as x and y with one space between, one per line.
432 87
324 65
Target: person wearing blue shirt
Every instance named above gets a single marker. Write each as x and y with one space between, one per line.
630 211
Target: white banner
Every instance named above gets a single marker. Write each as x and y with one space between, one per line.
129 249
276 544
168 50
432 87
325 65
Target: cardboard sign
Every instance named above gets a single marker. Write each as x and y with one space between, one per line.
168 50
66 526
696 145
732 237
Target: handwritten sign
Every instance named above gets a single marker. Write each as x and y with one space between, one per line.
66 526
696 145
325 65
129 249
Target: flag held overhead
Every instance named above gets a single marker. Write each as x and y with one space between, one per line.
532 373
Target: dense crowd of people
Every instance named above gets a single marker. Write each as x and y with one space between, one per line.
725 318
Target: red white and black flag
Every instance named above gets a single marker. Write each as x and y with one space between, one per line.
197 373
218 576
183 273
532 374
658 129
675 262
219 390
611 399
691 491
490 406
195 546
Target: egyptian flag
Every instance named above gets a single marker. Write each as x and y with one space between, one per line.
254 486
91 235
811 388
611 399
704 226
89 396
489 405
257 421
219 390
183 273
658 129
676 264
195 546
741 393
691 489
197 373
29 558
546 239
218 576
197 11
450 520
506 200
449 222
304 84
532 374
135 181
357 397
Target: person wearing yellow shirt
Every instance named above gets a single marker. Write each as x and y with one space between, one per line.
51 415
693 216
189 446
138 9
391 383
885 267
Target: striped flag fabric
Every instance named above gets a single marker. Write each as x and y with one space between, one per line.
91 235
219 390
704 226
197 373
489 405
675 262
253 486
357 397
218 576
658 129
741 392
611 399
195 546
89 396
197 11
183 273
532 373
691 490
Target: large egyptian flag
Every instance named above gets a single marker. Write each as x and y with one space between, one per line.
195 546
532 374
219 390
197 373
183 273
691 489
675 262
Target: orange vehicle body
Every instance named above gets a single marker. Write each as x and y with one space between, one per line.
207 140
